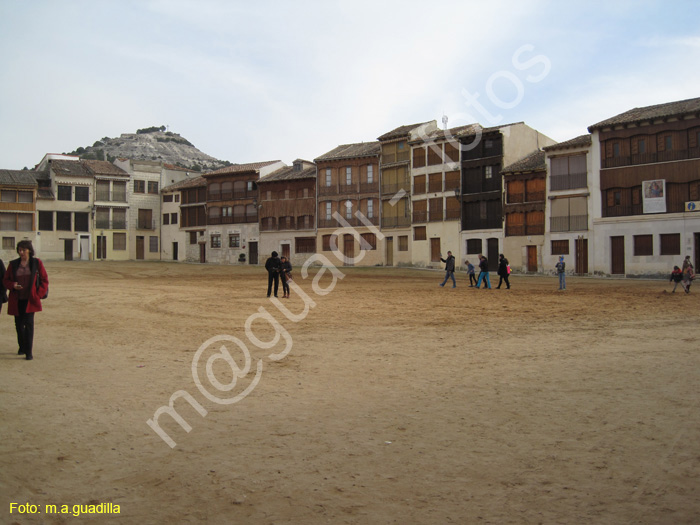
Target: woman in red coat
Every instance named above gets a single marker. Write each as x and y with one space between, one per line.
28 282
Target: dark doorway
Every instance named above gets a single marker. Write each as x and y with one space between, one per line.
390 251
582 256
617 250
252 253
68 249
202 252
140 247
175 254
532 259
435 250
492 253
101 247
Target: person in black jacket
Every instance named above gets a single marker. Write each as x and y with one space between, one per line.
483 272
503 272
272 265
3 290
449 269
286 275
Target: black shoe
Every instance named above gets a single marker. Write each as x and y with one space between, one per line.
30 357
20 352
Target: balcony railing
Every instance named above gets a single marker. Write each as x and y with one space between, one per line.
420 216
568 223
143 224
110 225
328 190
110 196
232 219
369 187
649 158
391 189
525 229
568 182
435 216
395 222
622 211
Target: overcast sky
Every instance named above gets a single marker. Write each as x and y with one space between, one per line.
266 80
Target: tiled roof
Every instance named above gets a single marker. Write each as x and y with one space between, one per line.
18 177
102 167
401 131
288 173
44 193
455 133
533 162
240 168
197 182
352 151
579 142
637 115
175 168
70 168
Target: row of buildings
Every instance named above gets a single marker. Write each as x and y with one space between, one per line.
620 200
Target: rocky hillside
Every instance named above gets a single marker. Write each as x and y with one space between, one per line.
152 144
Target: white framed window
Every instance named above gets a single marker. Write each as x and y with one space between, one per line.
489 172
370 174
370 208
348 210
348 176
328 211
328 177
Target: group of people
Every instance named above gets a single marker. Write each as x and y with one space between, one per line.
684 275
503 272
28 283
278 267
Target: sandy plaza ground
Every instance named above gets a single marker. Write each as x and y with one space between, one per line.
379 398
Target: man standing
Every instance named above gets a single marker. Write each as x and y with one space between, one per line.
272 265
483 272
503 267
449 269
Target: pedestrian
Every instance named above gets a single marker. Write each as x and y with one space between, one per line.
272 265
449 269
503 271
483 272
285 275
561 270
3 290
28 283
688 275
470 272
676 277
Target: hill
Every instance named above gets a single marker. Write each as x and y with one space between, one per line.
153 143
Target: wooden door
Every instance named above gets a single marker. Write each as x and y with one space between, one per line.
617 250
697 251
435 250
202 252
252 253
285 251
582 255
492 253
140 251
390 251
101 247
175 254
68 249
532 258
348 249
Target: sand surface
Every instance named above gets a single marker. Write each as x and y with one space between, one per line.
398 402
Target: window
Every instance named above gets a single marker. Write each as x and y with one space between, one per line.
119 191
326 243
617 197
102 191
370 208
153 244
119 219
216 240
643 245
251 185
9 196
568 172
152 187
119 241
65 193
177 197
193 237
489 172
419 233
63 222
668 142
8 243
286 194
670 243
616 149
348 210
403 243
168 198
46 221
82 193
370 174
328 211
139 186
24 222
473 245
369 241
642 146
560 247
27 196
145 219
82 221
102 217
166 219
305 245
234 240
173 218
348 176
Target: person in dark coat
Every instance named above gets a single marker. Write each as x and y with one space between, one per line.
503 272
483 272
285 275
28 283
449 269
3 290
272 265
